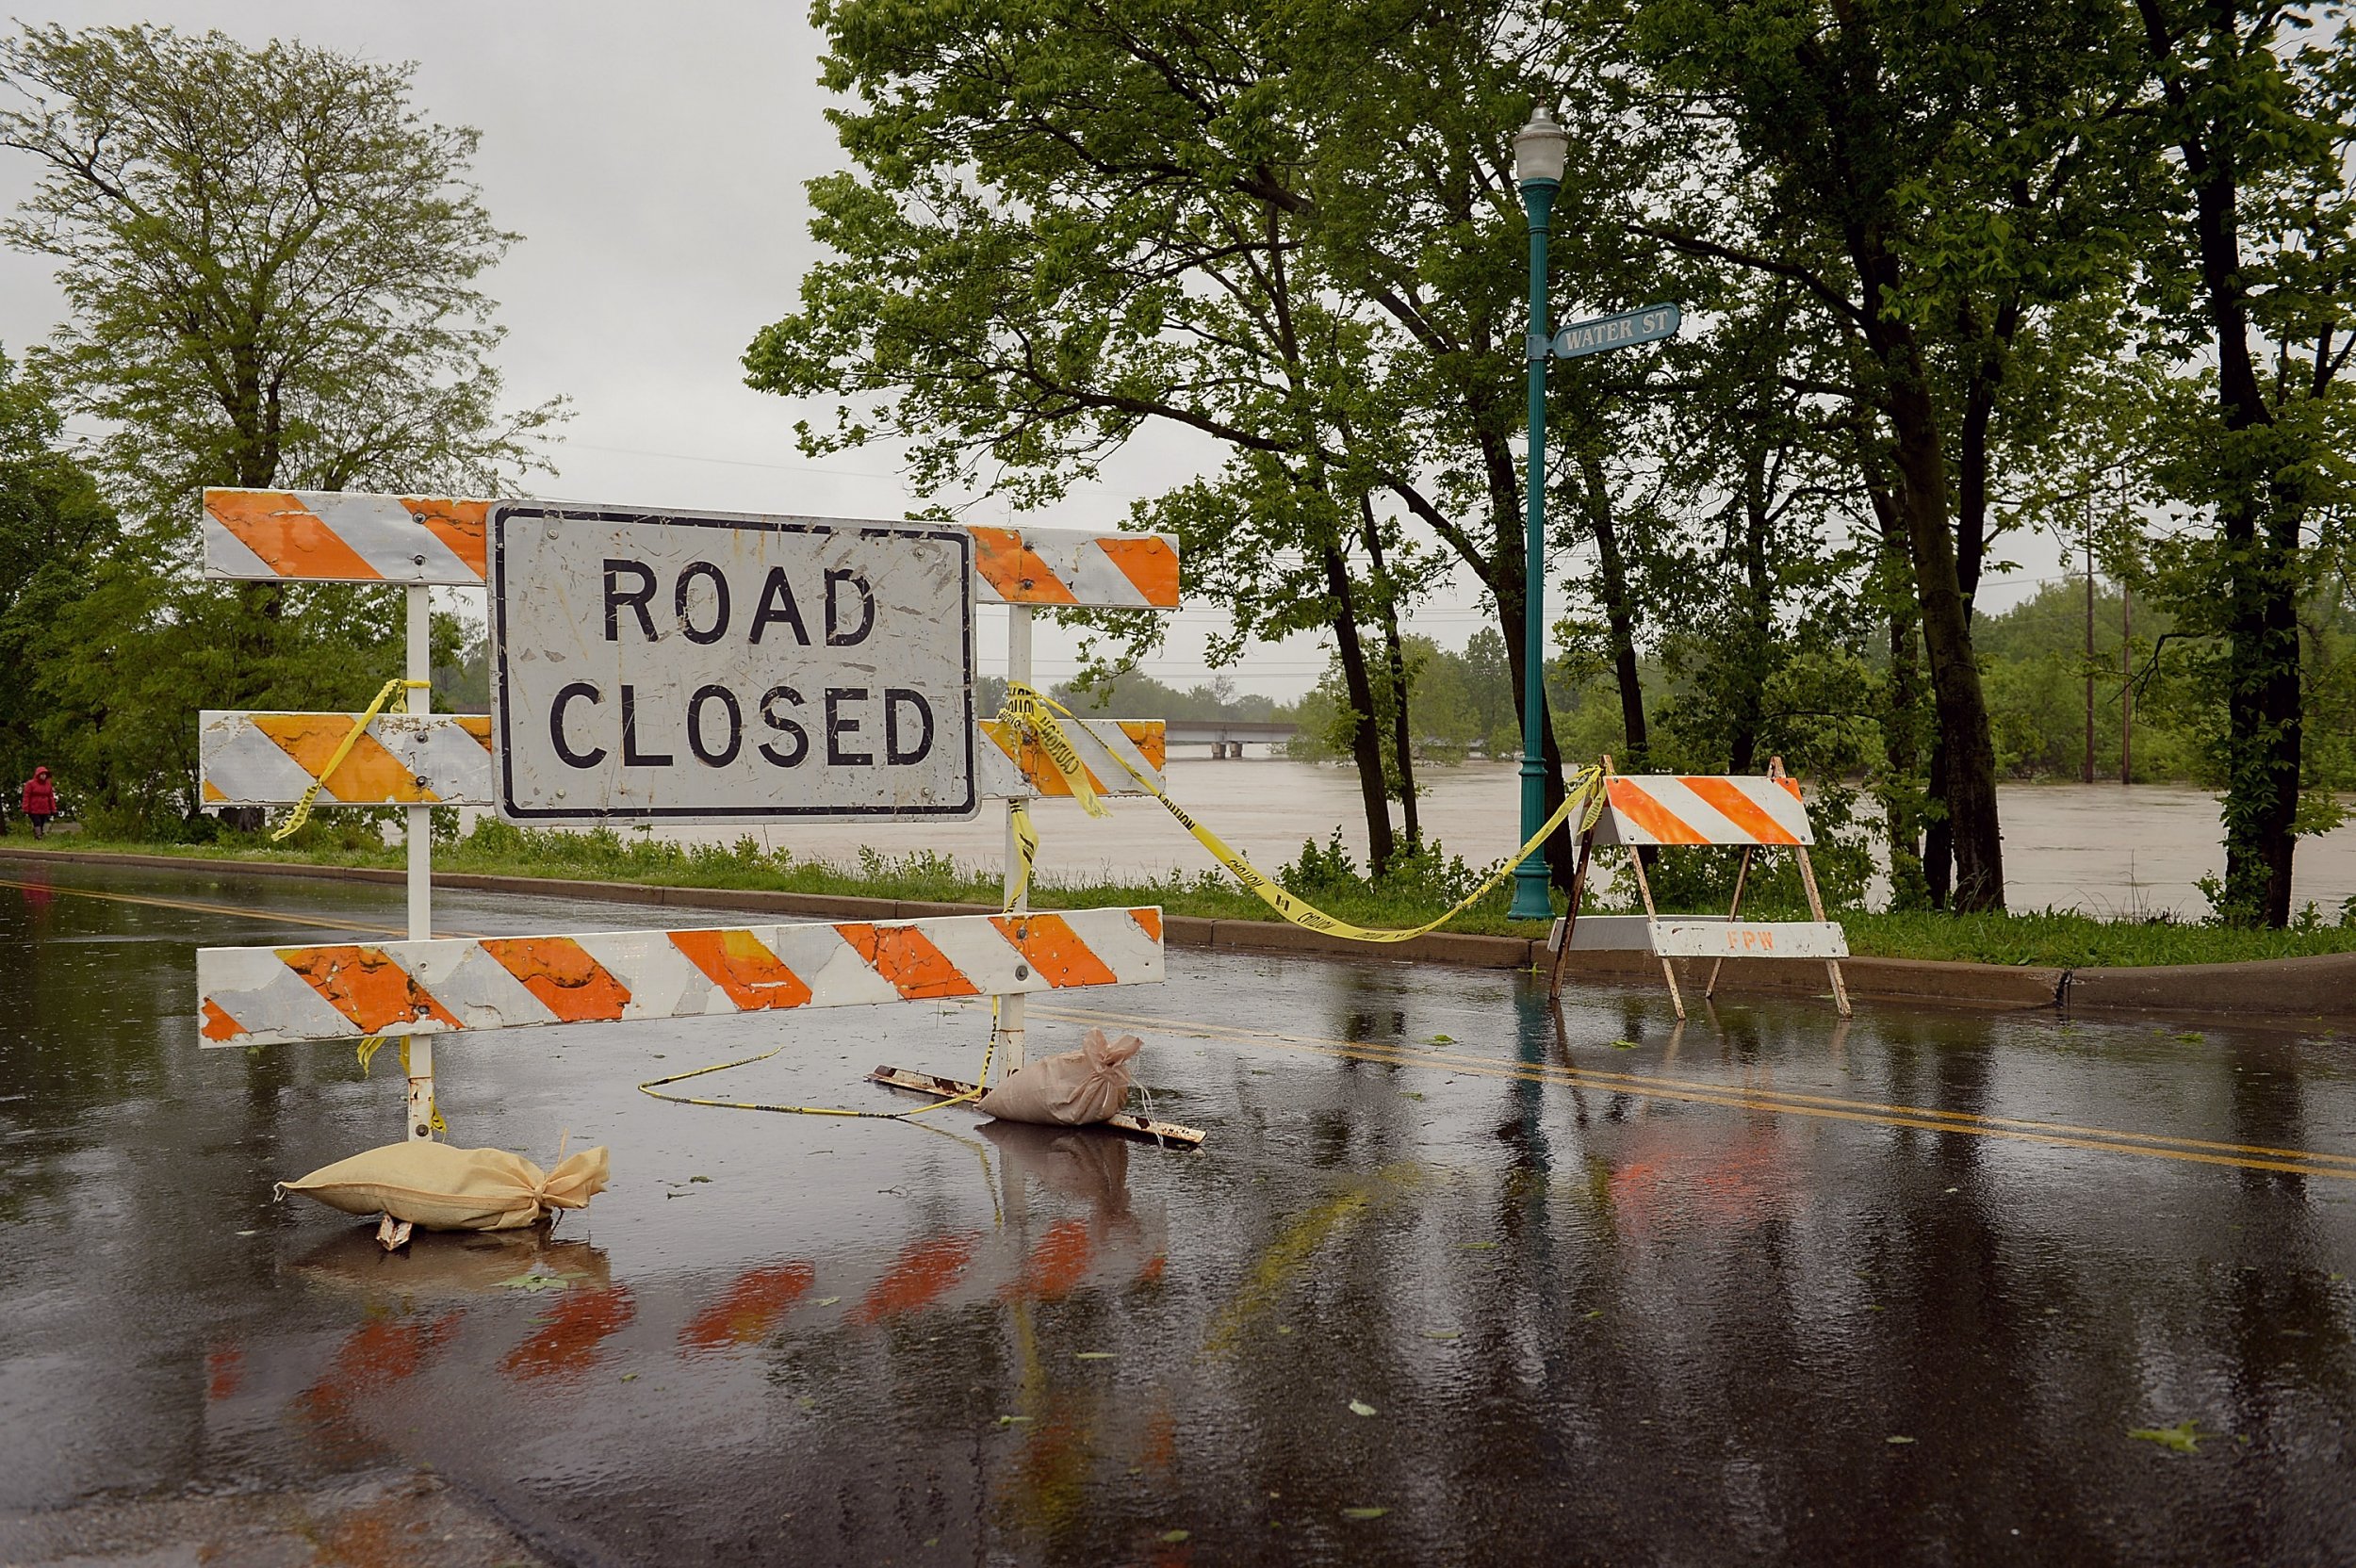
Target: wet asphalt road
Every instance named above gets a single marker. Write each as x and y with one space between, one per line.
1450 1283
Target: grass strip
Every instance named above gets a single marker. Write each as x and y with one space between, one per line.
2058 938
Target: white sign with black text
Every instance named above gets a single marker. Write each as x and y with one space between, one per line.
656 666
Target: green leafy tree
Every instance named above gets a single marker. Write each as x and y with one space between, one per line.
2257 101
270 256
54 530
1933 186
1068 223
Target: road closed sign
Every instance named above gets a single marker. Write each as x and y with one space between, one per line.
714 667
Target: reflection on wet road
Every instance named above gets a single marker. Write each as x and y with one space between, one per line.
1454 1277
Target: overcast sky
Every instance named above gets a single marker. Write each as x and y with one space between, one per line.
653 158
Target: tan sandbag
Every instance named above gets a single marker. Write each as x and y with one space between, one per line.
454 1189
1072 1090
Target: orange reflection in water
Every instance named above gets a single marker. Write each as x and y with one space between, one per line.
565 1345
376 1356
224 1370
925 1271
1058 1261
750 1308
1727 1186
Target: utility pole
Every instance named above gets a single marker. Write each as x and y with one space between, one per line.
2126 682
2086 773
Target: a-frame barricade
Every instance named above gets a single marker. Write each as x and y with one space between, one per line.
1641 811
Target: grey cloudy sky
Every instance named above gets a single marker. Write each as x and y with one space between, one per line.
653 158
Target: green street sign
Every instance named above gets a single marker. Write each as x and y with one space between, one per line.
1630 327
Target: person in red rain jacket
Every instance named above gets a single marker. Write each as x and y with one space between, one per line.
40 801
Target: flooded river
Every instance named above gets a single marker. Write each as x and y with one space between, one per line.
2101 848
1453 1280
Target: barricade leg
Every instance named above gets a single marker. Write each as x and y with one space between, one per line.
1570 916
1741 875
1816 909
1668 970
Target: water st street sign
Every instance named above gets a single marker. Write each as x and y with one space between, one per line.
715 667
1624 329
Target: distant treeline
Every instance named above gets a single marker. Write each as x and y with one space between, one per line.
2032 661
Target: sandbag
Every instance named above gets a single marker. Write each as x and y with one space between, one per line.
1070 1090
454 1189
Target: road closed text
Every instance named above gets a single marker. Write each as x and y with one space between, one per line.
704 668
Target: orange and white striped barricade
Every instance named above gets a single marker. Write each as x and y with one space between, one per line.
271 758
421 760
279 995
1658 810
345 536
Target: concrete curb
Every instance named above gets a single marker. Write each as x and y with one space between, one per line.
2294 991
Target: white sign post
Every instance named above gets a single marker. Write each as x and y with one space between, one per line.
707 668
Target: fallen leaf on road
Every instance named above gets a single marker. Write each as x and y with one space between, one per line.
1364 1512
2181 1438
1093 1355
1174 1537
535 1282
1359 1407
1897 1440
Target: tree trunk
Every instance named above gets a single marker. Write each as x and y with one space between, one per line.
1365 739
1395 654
1619 610
1965 742
2260 516
1747 692
1502 573
2264 714
1901 718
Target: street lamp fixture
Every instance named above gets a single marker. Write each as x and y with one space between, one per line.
1540 150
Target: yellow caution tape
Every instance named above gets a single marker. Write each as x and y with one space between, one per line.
1585 796
1033 714
1025 854
302 812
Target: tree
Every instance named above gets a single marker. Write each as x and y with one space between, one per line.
54 526
270 257
2262 124
1930 183
1294 233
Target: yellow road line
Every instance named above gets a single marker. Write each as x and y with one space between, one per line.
2302 1162
275 917
1965 1120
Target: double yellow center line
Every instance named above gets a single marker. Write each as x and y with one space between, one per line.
2297 1162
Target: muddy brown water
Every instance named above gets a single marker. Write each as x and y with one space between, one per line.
2113 851
1450 1281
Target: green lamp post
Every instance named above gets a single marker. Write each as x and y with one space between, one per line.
1539 151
